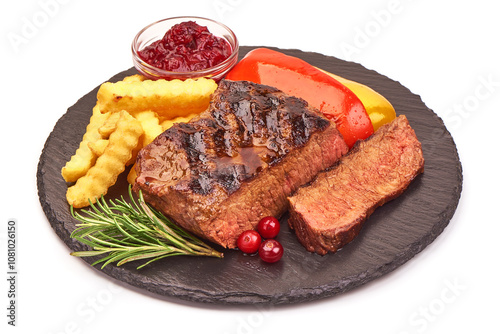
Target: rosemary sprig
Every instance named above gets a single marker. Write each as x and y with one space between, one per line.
131 231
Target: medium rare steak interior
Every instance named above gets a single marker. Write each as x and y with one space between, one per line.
237 162
329 213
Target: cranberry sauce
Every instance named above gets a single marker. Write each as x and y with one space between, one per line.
186 47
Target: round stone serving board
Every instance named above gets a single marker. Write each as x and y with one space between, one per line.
394 233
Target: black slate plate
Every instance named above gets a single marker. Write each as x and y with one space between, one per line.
391 236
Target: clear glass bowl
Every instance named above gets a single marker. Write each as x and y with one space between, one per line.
157 30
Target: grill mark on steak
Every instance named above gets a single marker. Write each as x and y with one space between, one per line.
238 161
330 211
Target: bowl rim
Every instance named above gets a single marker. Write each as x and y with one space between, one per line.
199 73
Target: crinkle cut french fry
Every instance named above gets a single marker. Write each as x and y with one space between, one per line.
166 124
169 99
109 165
110 125
97 147
150 124
134 78
84 158
132 175
136 150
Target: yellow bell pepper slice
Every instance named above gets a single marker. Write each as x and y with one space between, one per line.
379 109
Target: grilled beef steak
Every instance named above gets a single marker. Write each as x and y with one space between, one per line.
328 213
237 162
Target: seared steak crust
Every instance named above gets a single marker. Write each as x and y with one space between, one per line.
238 161
328 213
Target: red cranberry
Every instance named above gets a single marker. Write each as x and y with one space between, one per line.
270 251
268 227
249 241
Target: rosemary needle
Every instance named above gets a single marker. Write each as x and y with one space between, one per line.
131 231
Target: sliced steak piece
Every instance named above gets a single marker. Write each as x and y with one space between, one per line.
237 162
328 213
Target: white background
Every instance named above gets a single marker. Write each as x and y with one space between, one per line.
55 51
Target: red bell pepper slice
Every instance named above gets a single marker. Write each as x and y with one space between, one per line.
296 77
